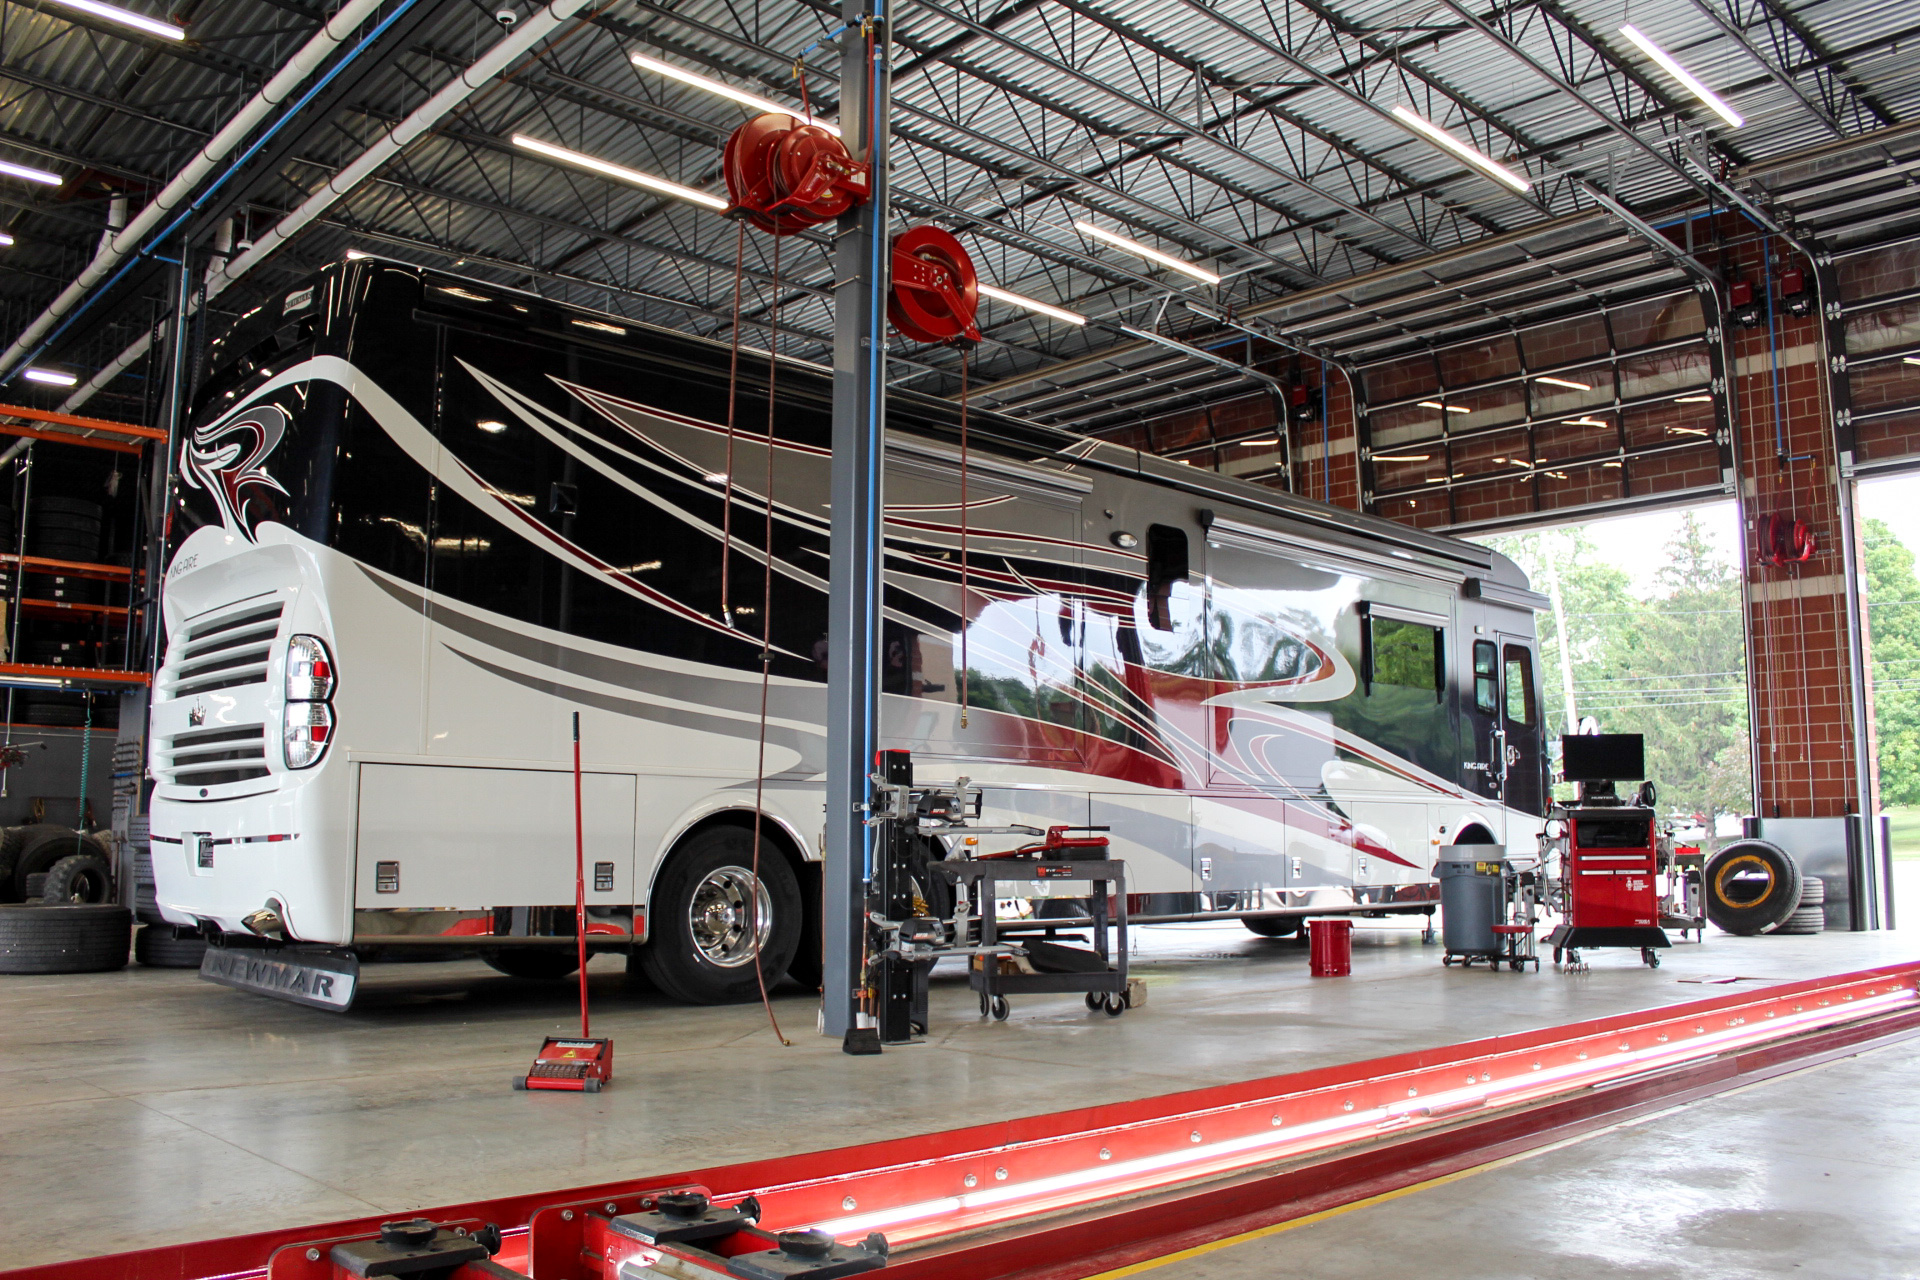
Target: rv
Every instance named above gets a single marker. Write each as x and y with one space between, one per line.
423 520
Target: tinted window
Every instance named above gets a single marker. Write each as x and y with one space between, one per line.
1519 685
1405 655
1485 695
1166 567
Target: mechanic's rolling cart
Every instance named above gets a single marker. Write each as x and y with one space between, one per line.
1609 897
1104 986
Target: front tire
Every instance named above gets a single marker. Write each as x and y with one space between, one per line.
541 963
702 949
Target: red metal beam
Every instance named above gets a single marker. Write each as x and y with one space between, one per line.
86 424
1177 1170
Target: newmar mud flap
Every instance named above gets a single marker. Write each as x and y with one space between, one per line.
321 978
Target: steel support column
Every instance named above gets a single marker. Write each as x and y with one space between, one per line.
1872 902
860 258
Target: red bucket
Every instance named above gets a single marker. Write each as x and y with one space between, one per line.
1331 945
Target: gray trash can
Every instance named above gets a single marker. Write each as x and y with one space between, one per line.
1473 899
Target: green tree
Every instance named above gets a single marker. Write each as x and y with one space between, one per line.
1893 628
1670 665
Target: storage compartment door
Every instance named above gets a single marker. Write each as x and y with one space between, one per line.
471 838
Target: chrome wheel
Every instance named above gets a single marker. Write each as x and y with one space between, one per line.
718 914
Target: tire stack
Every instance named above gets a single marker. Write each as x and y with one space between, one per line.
158 945
78 927
1811 915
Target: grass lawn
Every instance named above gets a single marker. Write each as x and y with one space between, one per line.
1906 832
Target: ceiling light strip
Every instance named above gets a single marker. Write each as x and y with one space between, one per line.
620 173
1478 159
1671 65
724 90
125 17
1031 304
1151 255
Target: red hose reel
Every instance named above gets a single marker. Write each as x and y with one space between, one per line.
935 293
785 176
1784 540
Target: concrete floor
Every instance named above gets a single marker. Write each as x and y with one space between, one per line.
146 1106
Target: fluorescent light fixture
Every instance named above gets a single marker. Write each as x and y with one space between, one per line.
1151 255
724 90
602 326
1441 138
5 239
455 291
619 172
1402 457
125 17
354 255
27 173
51 377
1687 431
491 426
715 477
1584 421
1031 304
1450 408
1436 479
1707 399
1903 359
1563 382
1669 64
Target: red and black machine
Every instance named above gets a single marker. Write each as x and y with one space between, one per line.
1608 885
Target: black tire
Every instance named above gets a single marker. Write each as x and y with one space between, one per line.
36 938
1751 887
715 865
1813 891
12 841
44 844
809 964
1805 920
1272 926
1000 1008
78 878
160 946
544 963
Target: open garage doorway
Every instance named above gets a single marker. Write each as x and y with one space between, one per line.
1889 513
1645 636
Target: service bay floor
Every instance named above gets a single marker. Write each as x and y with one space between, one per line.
146 1106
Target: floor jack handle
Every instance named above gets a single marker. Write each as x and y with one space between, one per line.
580 877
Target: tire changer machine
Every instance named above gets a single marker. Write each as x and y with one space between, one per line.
1605 868
925 903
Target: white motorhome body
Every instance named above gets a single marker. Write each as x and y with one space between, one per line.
436 518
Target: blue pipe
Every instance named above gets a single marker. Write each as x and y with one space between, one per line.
147 250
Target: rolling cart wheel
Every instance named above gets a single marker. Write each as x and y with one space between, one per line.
984 1005
1651 956
1446 960
1001 1008
1518 966
519 1082
1116 1004
1093 1001
1557 954
590 1086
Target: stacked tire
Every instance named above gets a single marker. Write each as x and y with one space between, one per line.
158 945
37 937
1811 915
59 915
1752 886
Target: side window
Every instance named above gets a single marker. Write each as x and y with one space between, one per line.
1404 655
1166 566
1519 685
1485 696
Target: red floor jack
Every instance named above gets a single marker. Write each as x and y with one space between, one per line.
585 1064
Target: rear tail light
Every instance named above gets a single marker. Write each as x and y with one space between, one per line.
309 730
309 670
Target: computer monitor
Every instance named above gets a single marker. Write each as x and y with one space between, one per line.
1603 757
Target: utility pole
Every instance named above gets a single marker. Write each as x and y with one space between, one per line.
860 260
